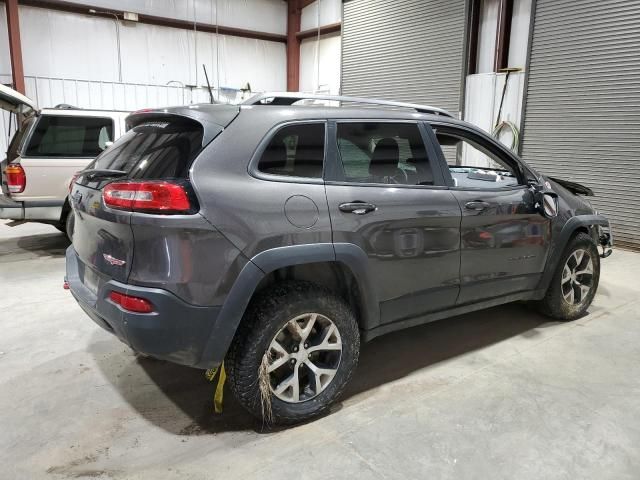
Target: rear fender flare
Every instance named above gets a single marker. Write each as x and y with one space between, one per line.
266 262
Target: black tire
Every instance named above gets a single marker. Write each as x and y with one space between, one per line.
554 304
267 315
69 225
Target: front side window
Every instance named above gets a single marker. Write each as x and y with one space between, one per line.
473 165
295 151
388 153
70 137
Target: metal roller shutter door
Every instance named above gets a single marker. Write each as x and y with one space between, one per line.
582 117
406 50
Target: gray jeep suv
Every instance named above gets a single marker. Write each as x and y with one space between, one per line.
276 237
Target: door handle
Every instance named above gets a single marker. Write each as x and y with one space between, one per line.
359 208
476 205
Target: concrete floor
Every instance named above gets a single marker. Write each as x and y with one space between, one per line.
498 394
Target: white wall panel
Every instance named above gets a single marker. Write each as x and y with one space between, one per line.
320 64
519 37
5 59
487 35
262 15
59 44
483 94
330 12
65 45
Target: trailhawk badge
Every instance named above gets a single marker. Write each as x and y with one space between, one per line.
113 260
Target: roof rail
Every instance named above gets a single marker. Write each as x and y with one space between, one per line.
289 98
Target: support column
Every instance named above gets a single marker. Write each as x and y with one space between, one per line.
15 47
294 14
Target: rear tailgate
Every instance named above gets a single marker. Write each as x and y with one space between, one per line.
160 145
102 236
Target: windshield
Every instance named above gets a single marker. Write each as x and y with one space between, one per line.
154 150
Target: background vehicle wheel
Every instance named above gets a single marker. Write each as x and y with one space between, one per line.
575 281
69 225
295 351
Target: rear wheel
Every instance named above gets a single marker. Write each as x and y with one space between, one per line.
575 281
294 353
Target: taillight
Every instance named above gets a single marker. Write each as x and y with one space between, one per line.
147 196
131 303
16 178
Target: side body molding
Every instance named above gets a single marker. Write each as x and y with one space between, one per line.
269 260
560 243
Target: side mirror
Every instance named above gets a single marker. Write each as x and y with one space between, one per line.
107 144
547 203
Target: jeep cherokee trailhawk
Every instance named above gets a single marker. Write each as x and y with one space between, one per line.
276 237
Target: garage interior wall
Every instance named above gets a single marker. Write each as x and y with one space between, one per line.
161 66
407 50
320 56
582 112
483 89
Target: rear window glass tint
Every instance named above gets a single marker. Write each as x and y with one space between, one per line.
295 151
82 137
154 150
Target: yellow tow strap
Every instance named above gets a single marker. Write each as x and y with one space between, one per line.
219 395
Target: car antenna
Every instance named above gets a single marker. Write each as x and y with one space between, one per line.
208 84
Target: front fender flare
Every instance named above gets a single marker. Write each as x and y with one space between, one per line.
560 243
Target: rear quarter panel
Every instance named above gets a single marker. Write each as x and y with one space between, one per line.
250 211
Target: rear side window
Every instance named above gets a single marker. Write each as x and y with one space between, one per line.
73 137
154 150
295 151
389 153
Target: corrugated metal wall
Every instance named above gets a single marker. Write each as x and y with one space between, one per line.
582 117
408 50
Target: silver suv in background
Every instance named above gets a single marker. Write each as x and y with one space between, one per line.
45 153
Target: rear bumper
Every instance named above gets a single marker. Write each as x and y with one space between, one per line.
176 331
30 210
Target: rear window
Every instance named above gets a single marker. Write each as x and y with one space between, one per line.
17 141
154 150
296 151
70 137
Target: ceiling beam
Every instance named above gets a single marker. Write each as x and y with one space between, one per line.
79 8
324 30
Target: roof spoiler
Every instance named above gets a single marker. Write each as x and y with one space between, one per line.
289 98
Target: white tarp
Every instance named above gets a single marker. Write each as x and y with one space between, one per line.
64 45
261 15
330 12
320 64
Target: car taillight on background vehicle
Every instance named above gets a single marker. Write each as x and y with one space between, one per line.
131 303
16 178
147 196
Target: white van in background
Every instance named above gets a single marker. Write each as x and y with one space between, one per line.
44 155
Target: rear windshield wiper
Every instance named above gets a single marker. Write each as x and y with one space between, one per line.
94 173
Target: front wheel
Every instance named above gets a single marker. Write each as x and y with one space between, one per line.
575 281
294 353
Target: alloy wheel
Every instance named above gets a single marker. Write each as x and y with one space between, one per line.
577 277
304 357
